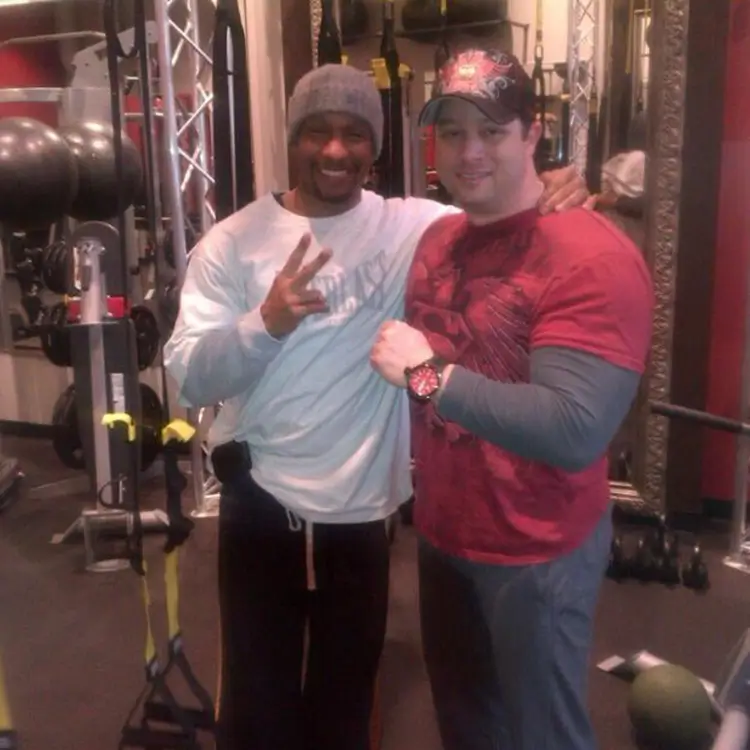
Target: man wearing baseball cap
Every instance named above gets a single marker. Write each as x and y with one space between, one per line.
279 309
524 342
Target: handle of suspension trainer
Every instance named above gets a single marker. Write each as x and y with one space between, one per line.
126 425
712 421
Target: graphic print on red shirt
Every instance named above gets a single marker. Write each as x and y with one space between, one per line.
485 297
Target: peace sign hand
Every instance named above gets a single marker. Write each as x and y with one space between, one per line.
289 300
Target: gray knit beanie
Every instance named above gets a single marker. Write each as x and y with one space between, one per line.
336 88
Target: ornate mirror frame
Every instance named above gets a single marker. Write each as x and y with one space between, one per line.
645 494
667 85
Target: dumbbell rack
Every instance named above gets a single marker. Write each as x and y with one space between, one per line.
110 391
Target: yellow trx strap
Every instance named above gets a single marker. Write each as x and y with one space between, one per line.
177 725
8 737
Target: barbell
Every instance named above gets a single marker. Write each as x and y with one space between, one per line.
704 418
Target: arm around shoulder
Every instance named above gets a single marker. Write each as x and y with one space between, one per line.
219 348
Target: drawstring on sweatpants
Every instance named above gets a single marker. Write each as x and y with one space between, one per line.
296 524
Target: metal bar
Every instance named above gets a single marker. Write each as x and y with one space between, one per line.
171 179
59 37
37 95
712 421
739 554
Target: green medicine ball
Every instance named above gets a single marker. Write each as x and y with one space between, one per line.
669 708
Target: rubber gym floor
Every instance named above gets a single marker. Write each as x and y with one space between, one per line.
73 641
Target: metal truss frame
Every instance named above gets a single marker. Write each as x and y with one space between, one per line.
186 118
583 31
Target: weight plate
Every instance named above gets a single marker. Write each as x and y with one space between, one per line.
55 336
152 423
147 336
66 439
57 268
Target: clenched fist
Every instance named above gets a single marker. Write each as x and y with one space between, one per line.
398 346
289 300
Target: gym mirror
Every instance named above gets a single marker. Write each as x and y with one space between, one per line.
610 76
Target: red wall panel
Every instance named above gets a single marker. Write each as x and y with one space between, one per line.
29 64
732 260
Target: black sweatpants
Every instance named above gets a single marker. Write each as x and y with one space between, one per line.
279 577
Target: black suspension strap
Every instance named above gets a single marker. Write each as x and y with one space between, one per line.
115 53
442 55
389 170
593 141
625 110
442 51
329 37
540 89
563 141
234 174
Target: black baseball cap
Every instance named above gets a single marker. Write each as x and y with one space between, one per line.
493 81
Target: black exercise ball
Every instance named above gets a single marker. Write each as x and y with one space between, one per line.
38 176
92 144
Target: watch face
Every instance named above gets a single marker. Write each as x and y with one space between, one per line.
424 381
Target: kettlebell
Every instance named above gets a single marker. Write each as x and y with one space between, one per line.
643 563
618 567
695 571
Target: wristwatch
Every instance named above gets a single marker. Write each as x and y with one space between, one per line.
423 381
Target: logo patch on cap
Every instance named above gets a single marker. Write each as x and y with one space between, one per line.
477 73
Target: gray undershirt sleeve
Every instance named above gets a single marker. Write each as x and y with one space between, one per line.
565 417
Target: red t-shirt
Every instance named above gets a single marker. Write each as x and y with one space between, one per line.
486 297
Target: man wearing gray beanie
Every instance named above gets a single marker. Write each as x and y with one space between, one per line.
280 306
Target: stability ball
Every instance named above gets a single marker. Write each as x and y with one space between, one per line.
38 175
669 708
92 144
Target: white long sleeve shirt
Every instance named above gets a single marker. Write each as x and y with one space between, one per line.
328 437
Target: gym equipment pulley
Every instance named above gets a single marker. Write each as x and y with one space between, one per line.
66 440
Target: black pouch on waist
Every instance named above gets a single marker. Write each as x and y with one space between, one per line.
231 461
